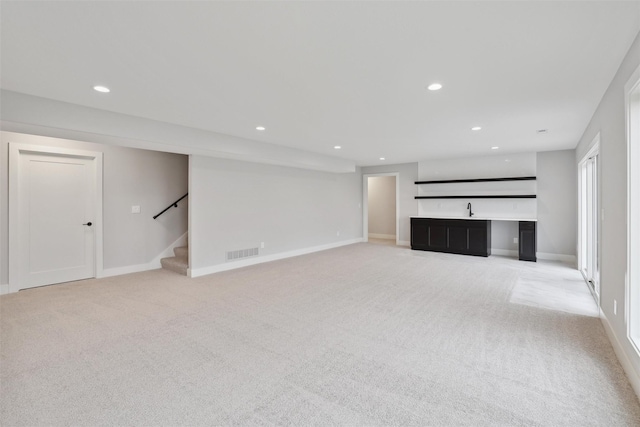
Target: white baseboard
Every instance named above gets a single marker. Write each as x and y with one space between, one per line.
403 243
382 236
632 374
267 258
152 265
4 289
569 259
118 271
504 252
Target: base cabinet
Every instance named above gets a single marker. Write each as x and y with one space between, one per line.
527 241
457 236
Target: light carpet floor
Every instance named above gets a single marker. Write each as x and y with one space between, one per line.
360 335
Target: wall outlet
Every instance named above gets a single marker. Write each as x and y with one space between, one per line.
338 234
135 209
261 245
515 240
615 307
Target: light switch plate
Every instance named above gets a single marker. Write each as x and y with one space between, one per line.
135 209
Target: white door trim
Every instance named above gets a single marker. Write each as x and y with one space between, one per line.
594 150
365 204
17 148
632 274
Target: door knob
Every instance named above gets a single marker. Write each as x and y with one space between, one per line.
89 224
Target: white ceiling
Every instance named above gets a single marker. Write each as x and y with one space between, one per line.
319 74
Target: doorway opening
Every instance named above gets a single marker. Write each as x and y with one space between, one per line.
588 219
380 213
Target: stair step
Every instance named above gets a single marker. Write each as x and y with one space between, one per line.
179 265
181 252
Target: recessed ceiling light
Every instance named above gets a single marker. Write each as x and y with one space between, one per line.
337 147
381 158
494 148
476 128
260 128
102 89
434 86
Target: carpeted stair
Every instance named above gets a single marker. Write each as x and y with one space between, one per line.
178 263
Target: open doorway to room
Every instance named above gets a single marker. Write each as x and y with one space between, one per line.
380 211
589 225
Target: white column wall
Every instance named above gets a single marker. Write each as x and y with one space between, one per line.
239 205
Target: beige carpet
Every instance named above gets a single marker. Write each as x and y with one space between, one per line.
360 335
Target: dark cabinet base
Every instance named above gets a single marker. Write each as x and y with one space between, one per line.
527 241
456 236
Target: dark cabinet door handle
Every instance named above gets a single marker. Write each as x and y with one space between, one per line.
89 224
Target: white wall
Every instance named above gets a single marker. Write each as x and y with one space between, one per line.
408 175
557 202
609 120
502 235
149 179
382 205
237 205
40 116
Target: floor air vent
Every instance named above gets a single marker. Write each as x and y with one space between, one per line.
242 253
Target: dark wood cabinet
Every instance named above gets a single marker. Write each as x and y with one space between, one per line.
480 240
419 234
527 241
438 236
458 236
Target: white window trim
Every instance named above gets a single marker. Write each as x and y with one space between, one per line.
594 149
632 276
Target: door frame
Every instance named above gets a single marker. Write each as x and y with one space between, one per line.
632 276
15 150
594 150
365 203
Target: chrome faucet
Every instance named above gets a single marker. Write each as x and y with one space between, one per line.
470 211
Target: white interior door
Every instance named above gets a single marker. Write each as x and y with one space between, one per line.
56 218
